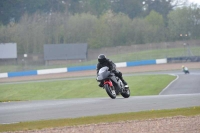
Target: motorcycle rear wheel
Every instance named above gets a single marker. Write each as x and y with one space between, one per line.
110 91
126 93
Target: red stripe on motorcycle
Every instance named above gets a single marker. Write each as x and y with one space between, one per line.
108 82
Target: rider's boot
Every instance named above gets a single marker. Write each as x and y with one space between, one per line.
125 84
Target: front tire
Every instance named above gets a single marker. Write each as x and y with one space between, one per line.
110 91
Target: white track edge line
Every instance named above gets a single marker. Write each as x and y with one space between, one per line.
177 77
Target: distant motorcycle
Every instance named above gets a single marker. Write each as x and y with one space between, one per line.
112 84
185 70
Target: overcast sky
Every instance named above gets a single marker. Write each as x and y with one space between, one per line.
194 1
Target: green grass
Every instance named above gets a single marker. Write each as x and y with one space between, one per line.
151 114
134 56
83 88
154 54
139 85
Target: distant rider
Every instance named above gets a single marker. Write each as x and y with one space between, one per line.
185 69
102 62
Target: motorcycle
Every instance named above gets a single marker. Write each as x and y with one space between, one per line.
186 71
112 84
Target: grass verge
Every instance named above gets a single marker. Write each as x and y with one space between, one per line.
83 88
134 56
100 119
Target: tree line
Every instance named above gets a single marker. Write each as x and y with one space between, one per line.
103 23
13 10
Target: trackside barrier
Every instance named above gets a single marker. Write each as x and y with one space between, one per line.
3 75
50 71
122 64
140 63
161 61
79 68
184 59
24 73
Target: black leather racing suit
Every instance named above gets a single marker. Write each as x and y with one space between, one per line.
112 67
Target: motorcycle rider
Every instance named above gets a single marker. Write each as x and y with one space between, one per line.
102 62
185 69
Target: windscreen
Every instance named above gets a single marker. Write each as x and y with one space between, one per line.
103 69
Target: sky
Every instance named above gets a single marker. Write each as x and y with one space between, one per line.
194 1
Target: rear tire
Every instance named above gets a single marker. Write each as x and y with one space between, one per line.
126 93
110 91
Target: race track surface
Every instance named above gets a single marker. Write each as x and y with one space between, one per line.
183 92
185 84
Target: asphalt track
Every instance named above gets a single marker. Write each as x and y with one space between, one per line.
182 92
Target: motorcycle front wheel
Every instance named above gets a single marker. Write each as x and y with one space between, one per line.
110 91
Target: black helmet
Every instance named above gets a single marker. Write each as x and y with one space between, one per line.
101 58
